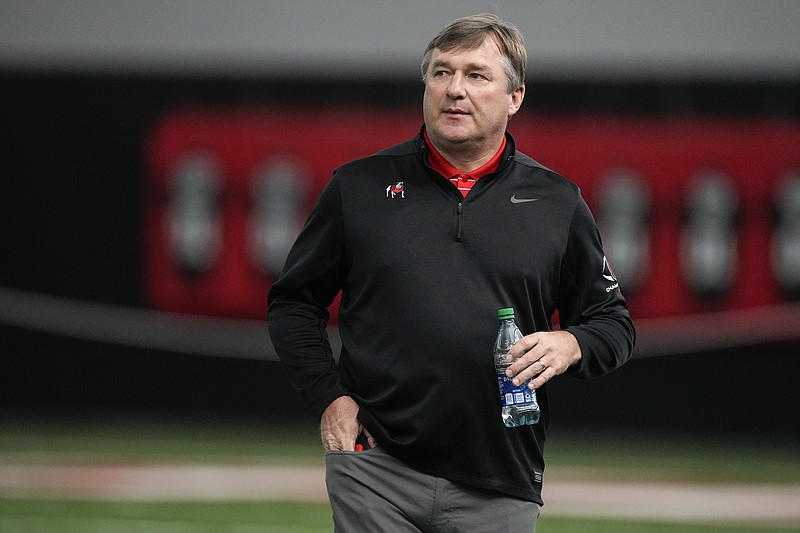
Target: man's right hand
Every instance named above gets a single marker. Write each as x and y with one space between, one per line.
339 426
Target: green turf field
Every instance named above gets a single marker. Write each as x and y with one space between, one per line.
36 516
621 457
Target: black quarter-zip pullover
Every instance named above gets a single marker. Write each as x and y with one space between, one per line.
423 272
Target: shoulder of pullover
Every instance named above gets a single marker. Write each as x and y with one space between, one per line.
541 171
407 148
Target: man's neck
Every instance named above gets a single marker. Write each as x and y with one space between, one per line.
467 158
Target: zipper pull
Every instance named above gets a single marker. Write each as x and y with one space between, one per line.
460 222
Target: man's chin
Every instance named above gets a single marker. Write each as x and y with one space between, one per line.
455 138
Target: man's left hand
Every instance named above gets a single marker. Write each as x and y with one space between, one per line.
541 356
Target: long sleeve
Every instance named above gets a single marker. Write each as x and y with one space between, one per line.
591 306
297 313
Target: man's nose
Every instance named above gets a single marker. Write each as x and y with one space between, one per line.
456 87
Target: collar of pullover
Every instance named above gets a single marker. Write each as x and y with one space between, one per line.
443 167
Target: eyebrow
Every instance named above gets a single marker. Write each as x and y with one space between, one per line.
472 67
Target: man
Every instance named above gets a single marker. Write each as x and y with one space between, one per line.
427 240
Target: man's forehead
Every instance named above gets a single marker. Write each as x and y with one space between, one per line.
440 54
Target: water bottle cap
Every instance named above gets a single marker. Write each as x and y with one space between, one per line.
505 313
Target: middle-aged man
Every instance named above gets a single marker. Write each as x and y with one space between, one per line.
427 240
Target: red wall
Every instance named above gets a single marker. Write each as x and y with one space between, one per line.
665 153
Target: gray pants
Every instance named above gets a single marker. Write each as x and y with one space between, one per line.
372 492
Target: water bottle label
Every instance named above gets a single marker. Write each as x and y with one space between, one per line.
514 395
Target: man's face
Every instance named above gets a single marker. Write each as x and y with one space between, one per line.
466 103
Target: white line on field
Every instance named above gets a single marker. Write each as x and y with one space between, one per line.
189 482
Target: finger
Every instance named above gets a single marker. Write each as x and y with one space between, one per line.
523 346
370 439
342 442
518 363
529 372
544 376
332 440
536 375
331 444
527 365
338 438
351 438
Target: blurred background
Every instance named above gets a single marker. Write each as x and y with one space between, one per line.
158 157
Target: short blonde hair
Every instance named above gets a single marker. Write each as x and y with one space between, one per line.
470 32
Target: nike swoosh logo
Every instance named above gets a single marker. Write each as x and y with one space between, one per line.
515 200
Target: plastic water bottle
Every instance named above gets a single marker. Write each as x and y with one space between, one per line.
519 405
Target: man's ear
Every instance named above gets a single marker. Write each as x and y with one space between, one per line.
516 100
